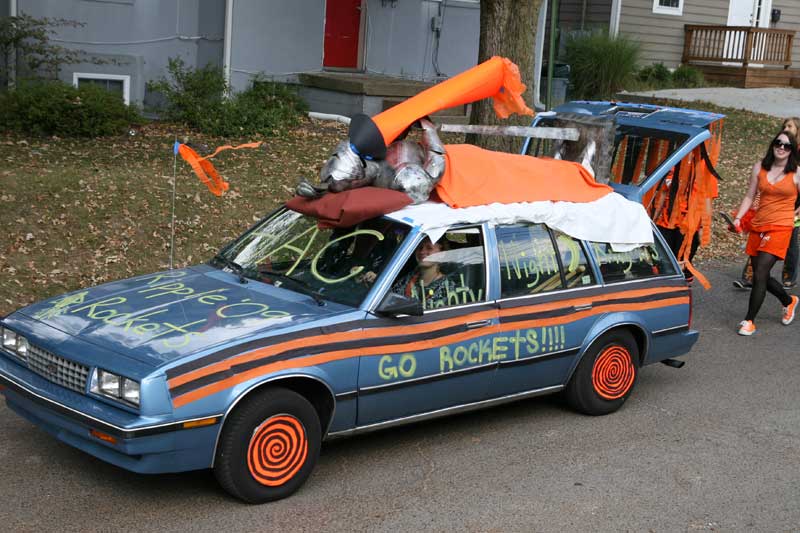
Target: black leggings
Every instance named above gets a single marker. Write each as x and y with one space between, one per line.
762 282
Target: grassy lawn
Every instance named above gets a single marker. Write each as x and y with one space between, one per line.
82 212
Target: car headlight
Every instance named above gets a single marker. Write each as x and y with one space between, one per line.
22 346
14 342
116 387
9 340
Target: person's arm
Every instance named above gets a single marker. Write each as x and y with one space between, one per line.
797 182
747 201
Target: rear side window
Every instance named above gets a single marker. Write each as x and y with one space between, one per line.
528 260
577 271
643 262
638 153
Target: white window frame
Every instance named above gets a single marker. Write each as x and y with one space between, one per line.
126 81
663 10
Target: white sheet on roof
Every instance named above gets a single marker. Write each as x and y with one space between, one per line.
611 219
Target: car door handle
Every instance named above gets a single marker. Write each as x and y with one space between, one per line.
479 324
584 307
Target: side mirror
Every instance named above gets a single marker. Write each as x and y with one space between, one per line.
395 304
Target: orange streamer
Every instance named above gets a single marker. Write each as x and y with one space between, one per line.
203 168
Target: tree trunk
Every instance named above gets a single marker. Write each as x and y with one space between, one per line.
508 29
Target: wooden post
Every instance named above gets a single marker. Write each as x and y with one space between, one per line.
687 43
748 45
567 134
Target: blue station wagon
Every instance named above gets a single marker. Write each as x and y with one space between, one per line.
294 334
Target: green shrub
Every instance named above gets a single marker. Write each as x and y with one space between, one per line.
600 65
656 74
55 108
196 97
686 76
190 94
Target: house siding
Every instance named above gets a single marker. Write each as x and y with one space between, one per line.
138 37
790 20
661 36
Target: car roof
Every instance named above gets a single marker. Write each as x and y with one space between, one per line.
651 116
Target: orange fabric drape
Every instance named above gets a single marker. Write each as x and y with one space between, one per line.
474 176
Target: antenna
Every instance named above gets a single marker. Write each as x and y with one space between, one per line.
174 181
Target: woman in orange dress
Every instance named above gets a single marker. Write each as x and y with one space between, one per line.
776 181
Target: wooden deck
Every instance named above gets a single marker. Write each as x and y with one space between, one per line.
740 56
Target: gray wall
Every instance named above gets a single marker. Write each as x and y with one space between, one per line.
400 41
277 37
139 34
282 38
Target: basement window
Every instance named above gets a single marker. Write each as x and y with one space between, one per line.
668 7
115 83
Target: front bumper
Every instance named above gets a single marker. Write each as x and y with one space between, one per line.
168 446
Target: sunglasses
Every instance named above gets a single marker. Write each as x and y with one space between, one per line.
778 144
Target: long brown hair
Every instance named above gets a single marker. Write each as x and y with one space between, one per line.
791 162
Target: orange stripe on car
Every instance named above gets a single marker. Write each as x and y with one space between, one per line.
328 357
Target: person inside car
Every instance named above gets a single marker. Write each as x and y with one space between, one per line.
425 282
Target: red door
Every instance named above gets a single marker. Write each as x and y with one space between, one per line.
342 33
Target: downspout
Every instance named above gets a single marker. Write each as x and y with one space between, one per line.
537 56
226 50
12 68
551 53
613 25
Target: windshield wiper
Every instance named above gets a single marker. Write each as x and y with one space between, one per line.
304 287
233 265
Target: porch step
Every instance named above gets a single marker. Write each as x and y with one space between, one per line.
349 93
364 84
451 115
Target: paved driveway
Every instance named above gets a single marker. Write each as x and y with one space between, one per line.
778 102
712 446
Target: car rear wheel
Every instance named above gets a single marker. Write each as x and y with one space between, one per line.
606 375
268 447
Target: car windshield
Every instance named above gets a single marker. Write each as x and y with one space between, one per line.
289 250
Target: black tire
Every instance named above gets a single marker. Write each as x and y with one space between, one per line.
268 447
606 375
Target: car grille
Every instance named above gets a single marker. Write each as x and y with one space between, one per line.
61 371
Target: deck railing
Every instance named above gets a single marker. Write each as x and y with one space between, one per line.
737 44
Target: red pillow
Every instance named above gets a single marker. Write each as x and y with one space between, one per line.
348 208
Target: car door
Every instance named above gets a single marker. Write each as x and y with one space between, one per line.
545 308
442 359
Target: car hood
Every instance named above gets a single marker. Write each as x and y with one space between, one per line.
161 317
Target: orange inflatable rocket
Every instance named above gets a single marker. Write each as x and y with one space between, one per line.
497 78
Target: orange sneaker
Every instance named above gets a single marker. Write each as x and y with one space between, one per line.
747 328
788 311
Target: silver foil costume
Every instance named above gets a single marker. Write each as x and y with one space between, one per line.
411 167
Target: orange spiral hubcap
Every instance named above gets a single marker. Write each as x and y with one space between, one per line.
277 450
613 373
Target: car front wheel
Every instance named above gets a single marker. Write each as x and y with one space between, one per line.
606 375
268 447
